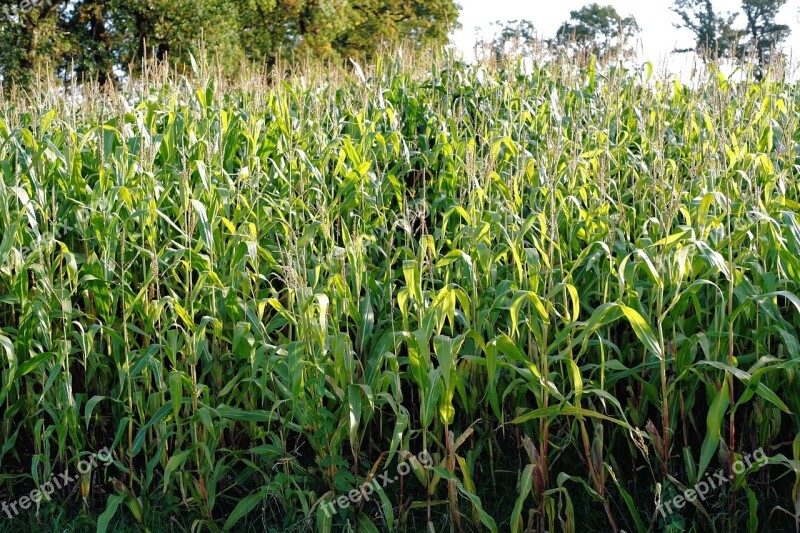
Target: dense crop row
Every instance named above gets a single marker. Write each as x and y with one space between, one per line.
578 292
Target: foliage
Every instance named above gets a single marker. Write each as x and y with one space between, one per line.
32 40
98 39
764 35
576 287
714 33
597 30
515 37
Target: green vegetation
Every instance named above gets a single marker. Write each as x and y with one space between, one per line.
597 30
716 37
713 32
99 39
578 290
762 33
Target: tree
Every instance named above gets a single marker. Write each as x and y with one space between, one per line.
91 43
371 23
714 33
32 39
171 29
511 37
597 30
763 34
102 37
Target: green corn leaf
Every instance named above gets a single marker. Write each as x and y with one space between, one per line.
243 508
106 516
714 419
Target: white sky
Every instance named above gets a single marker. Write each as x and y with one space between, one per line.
657 38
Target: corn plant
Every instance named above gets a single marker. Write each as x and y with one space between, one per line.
577 289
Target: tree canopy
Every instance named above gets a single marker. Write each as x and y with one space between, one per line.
100 38
762 34
713 31
598 30
715 35
511 37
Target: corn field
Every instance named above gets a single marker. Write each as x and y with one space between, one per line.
577 289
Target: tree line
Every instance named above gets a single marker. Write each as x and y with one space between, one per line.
601 31
99 39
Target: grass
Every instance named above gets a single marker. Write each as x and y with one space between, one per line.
577 288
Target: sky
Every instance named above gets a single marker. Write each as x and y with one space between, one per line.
656 40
